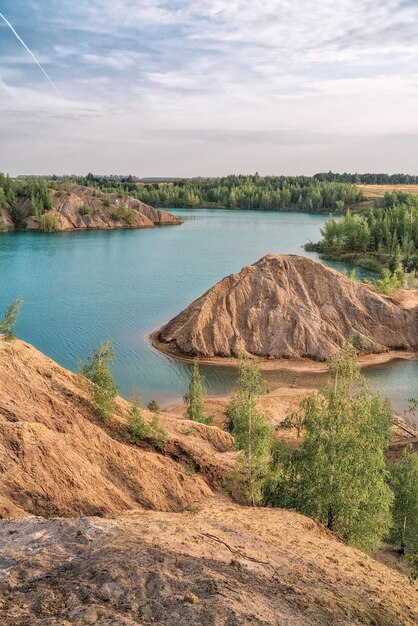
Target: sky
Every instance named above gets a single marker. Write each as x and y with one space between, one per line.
207 88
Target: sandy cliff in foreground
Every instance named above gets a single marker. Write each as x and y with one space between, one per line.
57 459
215 564
167 549
83 208
288 306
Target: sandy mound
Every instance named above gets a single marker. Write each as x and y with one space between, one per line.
286 306
217 565
56 459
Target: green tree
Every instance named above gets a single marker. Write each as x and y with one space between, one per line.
404 483
8 324
252 432
153 406
195 406
158 433
137 427
339 472
97 369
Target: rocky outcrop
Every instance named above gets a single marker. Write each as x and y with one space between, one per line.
81 208
217 564
288 306
57 459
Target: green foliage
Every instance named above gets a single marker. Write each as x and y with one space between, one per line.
275 193
387 283
388 232
338 475
104 389
153 406
49 223
253 435
195 406
191 468
252 192
137 427
123 214
9 321
106 201
404 483
158 434
140 431
84 210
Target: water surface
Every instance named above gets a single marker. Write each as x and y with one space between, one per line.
80 288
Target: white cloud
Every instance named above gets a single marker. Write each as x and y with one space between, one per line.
230 68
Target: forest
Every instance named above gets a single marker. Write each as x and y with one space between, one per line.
368 179
276 193
388 231
34 190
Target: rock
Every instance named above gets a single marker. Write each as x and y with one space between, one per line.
288 306
111 591
191 598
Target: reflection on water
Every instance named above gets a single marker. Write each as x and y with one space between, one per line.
80 288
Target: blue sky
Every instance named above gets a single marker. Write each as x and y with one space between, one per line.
187 88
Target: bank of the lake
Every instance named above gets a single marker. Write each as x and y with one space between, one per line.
83 287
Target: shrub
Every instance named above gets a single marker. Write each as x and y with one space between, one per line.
137 427
158 433
84 210
123 214
49 223
153 406
104 389
9 321
388 282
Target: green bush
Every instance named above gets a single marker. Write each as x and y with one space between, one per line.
9 321
123 214
84 210
137 427
153 406
104 389
49 223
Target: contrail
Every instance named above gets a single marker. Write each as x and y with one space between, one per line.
28 50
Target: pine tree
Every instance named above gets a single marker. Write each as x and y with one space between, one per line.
339 474
137 427
252 432
97 369
195 406
404 483
9 321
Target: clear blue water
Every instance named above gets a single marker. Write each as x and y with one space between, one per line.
80 288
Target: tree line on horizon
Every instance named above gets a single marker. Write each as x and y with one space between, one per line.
239 192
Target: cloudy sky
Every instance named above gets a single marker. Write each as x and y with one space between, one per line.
209 87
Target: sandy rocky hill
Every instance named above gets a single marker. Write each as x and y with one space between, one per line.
288 306
85 208
97 531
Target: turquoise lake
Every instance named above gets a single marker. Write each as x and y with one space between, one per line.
80 288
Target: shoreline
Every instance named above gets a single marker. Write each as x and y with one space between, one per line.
296 366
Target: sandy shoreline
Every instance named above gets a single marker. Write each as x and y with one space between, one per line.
297 366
